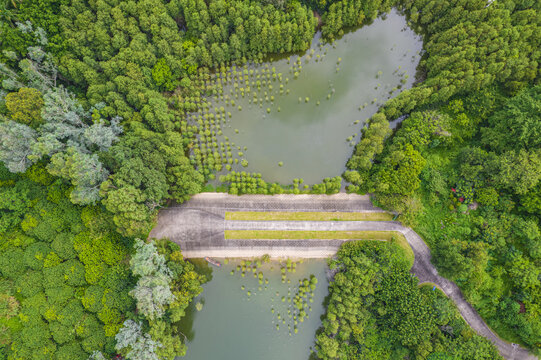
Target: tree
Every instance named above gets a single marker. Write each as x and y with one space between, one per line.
161 73
377 310
64 130
399 171
96 355
134 343
463 260
51 259
168 336
13 205
127 204
519 171
531 201
152 291
84 171
405 309
16 144
518 125
147 169
25 106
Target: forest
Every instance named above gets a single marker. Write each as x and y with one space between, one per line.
373 294
95 98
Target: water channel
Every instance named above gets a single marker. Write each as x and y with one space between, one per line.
308 129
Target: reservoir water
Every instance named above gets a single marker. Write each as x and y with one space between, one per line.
299 116
233 325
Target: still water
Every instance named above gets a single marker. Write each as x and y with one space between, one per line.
309 130
233 325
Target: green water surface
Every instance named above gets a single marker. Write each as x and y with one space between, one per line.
350 80
235 326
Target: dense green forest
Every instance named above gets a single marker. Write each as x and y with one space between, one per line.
376 310
94 140
468 183
67 286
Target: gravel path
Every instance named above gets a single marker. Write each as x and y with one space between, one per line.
199 224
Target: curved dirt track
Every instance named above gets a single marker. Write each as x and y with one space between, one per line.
199 224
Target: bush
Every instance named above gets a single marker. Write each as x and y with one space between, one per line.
92 299
12 263
34 255
30 284
63 246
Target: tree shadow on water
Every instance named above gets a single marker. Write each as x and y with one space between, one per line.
185 325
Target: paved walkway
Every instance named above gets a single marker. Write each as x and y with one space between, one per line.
199 224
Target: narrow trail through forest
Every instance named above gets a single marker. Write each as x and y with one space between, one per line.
199 226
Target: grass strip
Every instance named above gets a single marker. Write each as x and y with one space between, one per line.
393 236
307 216
307 234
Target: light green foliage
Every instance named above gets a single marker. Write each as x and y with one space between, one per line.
246 183
329 186
371 144
13 204
251 183
130 214
51 258
97 252
399 171
519 171
422 128
531 201
161 73
24 106
172 344
35 254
